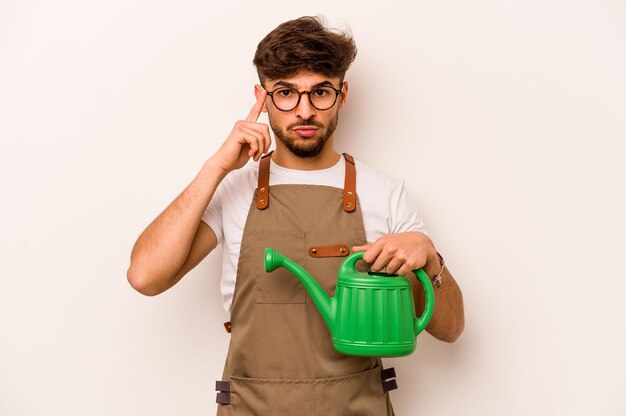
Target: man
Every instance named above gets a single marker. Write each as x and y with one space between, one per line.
310 203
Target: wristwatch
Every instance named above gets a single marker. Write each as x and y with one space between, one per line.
436 280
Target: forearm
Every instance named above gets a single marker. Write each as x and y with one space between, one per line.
163 247
448 319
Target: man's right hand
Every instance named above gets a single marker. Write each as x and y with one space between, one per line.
247 139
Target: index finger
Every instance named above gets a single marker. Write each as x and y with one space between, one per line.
258 106
360 248
372 251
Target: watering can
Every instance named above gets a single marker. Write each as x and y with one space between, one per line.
372 314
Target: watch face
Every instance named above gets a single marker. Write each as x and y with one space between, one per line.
436 281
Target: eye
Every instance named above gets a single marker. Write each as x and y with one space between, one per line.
285 92
321 92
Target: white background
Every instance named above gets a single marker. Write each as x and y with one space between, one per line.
506 119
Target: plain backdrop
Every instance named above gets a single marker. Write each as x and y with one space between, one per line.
506 119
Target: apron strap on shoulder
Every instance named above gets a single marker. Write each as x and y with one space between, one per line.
262 192
349 186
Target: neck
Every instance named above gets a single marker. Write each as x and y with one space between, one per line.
327 158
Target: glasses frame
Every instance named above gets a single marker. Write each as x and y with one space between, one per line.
308 93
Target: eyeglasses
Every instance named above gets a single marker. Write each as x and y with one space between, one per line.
322 98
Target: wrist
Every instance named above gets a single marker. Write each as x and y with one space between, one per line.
434 267
437 278
433 264
213 169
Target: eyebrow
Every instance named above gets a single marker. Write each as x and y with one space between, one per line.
294 86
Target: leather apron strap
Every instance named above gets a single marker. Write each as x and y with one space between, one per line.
349 187
263 195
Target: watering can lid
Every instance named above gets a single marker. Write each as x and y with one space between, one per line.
373 280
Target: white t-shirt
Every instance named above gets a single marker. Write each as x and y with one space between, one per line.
385 207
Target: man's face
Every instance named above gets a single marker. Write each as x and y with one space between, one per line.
305 129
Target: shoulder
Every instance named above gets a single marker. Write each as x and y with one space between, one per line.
236 187
371 180
385 203
240 179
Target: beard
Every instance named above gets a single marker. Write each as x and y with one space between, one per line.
311 146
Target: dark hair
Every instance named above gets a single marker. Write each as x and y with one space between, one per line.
304 44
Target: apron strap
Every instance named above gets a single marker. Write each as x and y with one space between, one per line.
349 186
263 195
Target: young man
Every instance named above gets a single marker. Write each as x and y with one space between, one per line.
306 201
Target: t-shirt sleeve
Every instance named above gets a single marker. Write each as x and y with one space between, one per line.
407 215
213 214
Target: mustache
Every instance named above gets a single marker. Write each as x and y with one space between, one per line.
305 123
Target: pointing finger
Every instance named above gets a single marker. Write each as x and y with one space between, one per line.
372 251
258 106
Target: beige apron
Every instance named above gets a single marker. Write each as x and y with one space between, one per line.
281 361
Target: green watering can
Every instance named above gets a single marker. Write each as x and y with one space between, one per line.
371 314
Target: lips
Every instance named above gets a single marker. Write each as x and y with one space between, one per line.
305 131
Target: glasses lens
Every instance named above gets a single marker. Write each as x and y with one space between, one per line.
323 98
285 98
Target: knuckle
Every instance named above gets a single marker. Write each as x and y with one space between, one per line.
390 248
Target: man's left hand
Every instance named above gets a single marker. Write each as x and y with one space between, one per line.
401 253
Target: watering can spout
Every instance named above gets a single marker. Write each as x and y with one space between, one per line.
274 260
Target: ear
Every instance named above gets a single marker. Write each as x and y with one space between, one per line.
258 89
343 96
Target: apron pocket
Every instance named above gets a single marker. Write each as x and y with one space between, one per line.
280 286
358 394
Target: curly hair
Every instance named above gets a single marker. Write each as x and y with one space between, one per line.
304 44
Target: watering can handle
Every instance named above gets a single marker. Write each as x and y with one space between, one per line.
349 266
422 321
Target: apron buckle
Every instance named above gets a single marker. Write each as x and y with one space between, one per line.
223 387
385 375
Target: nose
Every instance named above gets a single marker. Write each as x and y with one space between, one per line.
305 109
